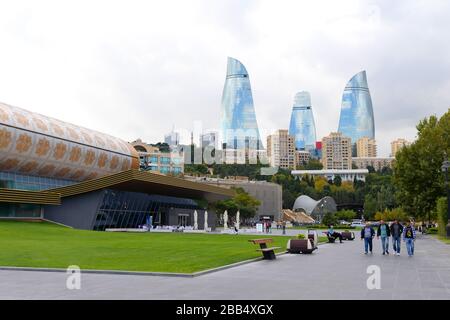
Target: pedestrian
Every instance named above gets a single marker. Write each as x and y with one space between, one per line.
409 236
384 232
283 225
396 233
367 233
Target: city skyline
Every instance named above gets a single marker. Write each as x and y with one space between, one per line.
156 72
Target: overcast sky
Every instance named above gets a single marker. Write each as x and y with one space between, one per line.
136 68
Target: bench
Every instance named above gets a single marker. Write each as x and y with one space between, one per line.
268 253
348 235
303 245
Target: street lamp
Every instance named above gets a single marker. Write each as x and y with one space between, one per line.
445 166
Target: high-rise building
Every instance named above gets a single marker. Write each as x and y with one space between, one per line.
302 157
336 152
396 145
172 138
302 125
238 118
366 147
281 150
209 139
356 119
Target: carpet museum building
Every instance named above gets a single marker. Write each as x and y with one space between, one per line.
53 170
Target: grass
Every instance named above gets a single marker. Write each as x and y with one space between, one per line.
442 238
46 245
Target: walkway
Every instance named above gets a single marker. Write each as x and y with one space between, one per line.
335 271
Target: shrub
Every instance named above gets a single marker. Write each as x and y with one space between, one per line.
329 219
300 236
432 230
441 208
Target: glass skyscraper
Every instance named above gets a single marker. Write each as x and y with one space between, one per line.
302 125
356 120
238 118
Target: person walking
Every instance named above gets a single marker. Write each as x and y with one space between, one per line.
409 236
384 232
367 233
396 233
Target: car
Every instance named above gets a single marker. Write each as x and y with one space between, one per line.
357 224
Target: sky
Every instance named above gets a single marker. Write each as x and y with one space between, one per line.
135 69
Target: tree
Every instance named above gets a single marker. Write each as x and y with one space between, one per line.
370 206
441 208
314 164
242 201
346 215
337 181
417 170
329 219
391 215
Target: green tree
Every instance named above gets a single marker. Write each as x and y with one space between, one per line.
242 201
337 181
417 170
370 206
329 219
346 215
441 208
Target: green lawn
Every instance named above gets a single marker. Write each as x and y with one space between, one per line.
442 238
42 244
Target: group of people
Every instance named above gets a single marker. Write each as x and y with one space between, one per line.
396 230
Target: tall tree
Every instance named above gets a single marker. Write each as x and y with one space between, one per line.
417 170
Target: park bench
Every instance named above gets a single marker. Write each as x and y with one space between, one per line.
303 245
348 235
268 253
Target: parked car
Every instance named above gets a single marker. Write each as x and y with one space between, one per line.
358 224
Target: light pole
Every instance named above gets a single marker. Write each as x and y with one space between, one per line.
445 166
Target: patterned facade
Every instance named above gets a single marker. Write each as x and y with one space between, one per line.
35 145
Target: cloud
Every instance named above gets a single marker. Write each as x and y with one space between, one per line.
133 69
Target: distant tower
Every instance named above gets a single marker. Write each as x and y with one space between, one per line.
238 118
357 120
302 125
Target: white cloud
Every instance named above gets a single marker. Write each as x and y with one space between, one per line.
135 68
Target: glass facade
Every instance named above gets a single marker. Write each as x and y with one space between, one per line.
302 125
357 120
124 209
11 180
238 118
162 164
19 210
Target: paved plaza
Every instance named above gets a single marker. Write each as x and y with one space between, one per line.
334 271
